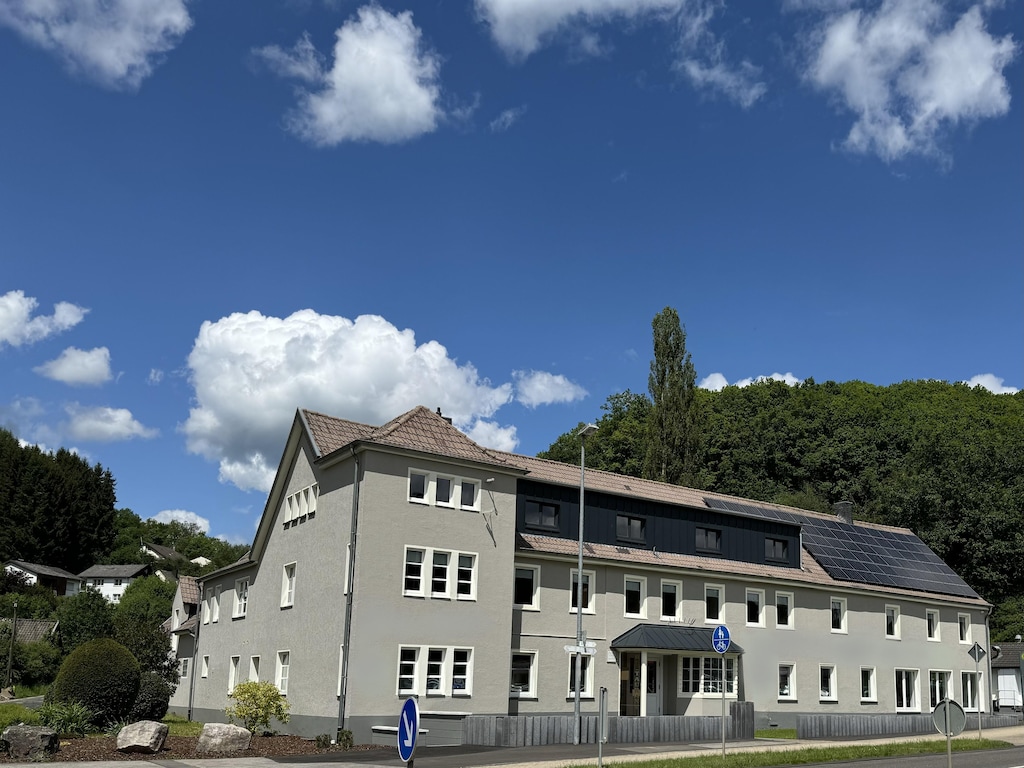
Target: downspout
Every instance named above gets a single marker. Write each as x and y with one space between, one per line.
351 583
991 682
195 655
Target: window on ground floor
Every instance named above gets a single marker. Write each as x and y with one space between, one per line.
522 680
906 691
938 686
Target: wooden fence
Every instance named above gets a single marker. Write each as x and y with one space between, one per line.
857 726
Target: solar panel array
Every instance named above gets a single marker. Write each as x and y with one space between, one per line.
862 554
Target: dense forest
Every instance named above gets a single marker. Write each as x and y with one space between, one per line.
945 460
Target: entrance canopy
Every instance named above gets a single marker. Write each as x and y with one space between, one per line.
664 637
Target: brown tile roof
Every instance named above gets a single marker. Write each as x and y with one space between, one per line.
1009 657
189 586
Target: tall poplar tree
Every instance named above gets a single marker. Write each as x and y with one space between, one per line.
673 419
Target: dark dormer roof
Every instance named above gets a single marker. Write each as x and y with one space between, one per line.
663 637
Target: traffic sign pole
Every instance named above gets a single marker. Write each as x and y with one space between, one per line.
949 738
720 642
408 731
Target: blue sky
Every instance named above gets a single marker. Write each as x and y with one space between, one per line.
212 214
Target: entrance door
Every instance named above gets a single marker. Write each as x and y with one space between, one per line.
653 686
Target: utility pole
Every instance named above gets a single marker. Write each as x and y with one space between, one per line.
10 651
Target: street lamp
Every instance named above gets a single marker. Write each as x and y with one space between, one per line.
588 429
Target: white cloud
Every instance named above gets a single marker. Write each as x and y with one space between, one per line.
493 436
182 516
250 373
535 388
716 381
507 119
383 85
155 376
909 74
17 326
992 383
78 366
104 424
115 43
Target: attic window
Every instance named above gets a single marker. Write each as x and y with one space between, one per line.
630 529
540 514
709 540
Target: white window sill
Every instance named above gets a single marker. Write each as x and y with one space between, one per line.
634 616
534 608
788 698
523 696
785 626
586 611
754 625
713 621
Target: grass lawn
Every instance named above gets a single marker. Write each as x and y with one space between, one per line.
179 726
775 733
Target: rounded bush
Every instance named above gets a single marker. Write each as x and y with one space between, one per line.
101 675
153 698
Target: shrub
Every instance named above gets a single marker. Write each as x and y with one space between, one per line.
257 704
153 698
66 718
12 714
103 676
345 739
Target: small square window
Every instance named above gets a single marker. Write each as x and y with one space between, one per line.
418 483
469 495
539 514
629 529
776 550
443 491
709 540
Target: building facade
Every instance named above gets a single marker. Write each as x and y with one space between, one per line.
111 581
405 560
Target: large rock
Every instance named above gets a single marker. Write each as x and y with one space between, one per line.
30 742
144 736
221 737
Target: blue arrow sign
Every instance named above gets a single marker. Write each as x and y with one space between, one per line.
408 729
720 639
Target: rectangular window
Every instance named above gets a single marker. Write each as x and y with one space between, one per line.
776 550
215 608
932 619
585 675
906 691
522 680
970 685
439 574
755 607
435 671
207 606
418 486
469 496
204 670
232 674
184 668
413 583
689 674
671 605
118 582
284 659
963 621
241 599
838 610
408 661
525 590
588 596
938 686
636 597
462 672
892 622
784 610
713 602
787 682
288 586
443 491
709 540
867 685
254 669
711 681
539 514
629 529
827 684
465 580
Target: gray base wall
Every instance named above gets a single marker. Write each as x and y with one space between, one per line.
854 726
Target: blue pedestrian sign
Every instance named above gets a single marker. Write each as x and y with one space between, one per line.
720 639
408 730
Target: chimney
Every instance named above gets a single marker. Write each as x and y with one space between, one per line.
446 418
844 511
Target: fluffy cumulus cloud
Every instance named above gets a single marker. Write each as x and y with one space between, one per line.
78 366
992 383
535 388
251 372
909 71
717 382
115 43
104 424
383 84
18 326
182 516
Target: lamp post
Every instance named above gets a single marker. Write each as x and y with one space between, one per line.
588 429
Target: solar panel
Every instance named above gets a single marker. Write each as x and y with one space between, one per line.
861 554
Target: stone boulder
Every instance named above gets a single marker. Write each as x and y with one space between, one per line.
144 736
29 742
221 737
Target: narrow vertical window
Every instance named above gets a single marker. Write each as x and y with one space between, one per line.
584 676
521 677
838 610
970 685
288 586
435 671
413 584
670 599
204 670
932 618
636 596
232 674
418 486
439 575
784 610
787 687
283 665
892 622
465 586
588 606
443 491
712 602
963 621
938 687
462 660
755 604
525 587
254 669
469 495
867 684
241 598
827 682
407 662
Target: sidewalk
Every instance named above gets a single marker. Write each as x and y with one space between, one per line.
550 756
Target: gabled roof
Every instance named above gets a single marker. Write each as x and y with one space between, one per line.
166 553
115 571
1009 657
667 637
42 570
32 630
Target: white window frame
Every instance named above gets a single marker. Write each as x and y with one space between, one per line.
446 593
790 614
205 668
458 486
678 614
642 581
915 690
421 592
459 580
207 605
872 697
288 572
233 673
414 689
452 486
895 610
452 574
935 637
254 669
791 695
964 629
948 673
427 488
534 604
474 506
843 627
241 599
721 603
282 670
532 692
759 594
590 578
183 667
587 692
440 667
301 505
832 694
467 677
977 678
